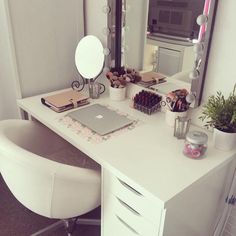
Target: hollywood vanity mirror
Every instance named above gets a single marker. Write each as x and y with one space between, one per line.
171 37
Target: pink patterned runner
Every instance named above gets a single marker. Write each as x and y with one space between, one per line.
92 136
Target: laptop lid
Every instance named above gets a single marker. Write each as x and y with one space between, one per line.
100 119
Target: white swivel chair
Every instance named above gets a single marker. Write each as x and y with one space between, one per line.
34 165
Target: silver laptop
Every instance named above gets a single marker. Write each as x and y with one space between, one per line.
100 119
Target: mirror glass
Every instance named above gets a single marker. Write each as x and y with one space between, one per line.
170 37
89 57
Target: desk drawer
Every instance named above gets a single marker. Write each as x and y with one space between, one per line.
133 220
117 227
144 205
112 224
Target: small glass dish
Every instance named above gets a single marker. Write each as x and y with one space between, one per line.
147 109
195 144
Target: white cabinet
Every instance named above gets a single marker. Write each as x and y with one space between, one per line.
168 58
149 188
193 212
128 211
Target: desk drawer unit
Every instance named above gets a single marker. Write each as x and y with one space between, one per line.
133 219
120 218
129 209
148 207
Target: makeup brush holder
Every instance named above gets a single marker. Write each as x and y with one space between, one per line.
117 94
170 116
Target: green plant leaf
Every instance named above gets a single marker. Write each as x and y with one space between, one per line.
220 112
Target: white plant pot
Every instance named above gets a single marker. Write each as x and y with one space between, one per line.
117 94
171 116
224 141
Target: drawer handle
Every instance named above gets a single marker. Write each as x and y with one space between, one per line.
127 225
128 207
130 188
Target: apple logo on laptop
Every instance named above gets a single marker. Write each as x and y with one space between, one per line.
99 116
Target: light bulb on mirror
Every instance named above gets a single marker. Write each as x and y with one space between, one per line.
105 70
202 19
125 48
198 48
190 98
106 31
106 51
112 63
194 74
106 9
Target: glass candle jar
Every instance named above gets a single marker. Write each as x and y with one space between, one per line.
195 144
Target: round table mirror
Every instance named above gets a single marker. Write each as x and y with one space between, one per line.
89 57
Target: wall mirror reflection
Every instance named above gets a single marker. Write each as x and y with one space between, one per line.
169 37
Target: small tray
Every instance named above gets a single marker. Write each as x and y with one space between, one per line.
147 110
147 102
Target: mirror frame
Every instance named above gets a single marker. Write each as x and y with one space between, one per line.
115 37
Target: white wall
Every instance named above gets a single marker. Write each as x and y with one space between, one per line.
221 72
8 84
45 36
37 46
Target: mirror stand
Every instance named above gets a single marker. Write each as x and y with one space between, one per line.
89 61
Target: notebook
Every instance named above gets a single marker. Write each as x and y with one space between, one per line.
151 78
65 100
100 119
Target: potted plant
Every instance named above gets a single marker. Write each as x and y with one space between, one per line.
220 113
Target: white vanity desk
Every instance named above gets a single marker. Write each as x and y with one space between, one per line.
149 187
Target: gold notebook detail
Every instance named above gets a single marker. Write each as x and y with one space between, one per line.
65 100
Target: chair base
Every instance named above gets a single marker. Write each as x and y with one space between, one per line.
66 223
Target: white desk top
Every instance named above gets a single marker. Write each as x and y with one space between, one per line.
149 157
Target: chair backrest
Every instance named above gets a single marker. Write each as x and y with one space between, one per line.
44 186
